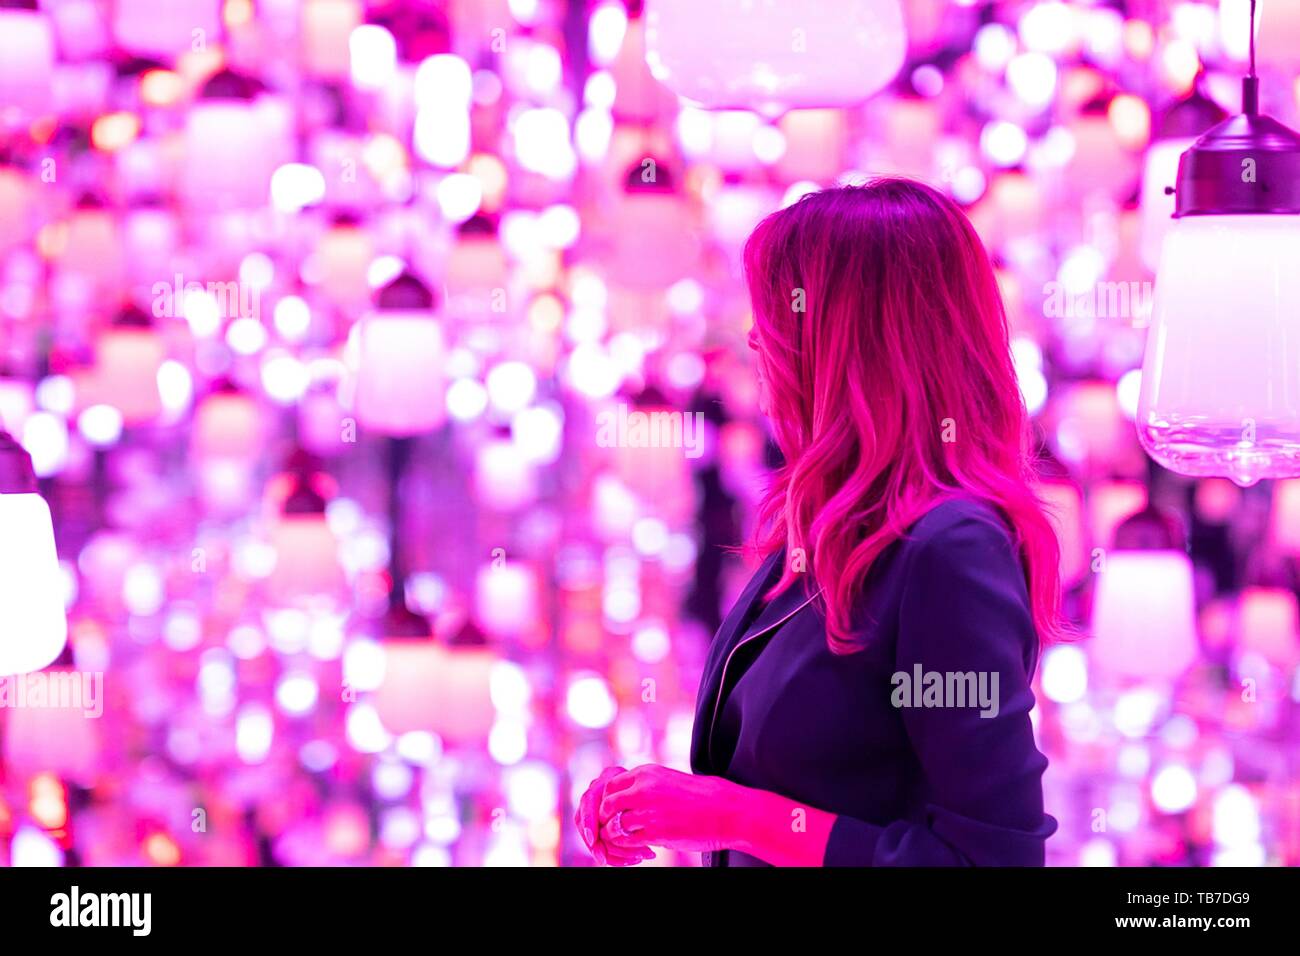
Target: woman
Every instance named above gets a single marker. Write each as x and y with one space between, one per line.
866 702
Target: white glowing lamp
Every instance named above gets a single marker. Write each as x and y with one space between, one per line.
128 356
1269 625
1279 34
33 623
326 27
61 737
1220 395
1143 616
26 60
774 55
654 241
166 28
1284 523
434 687
506 598
232 146
400 380
307 564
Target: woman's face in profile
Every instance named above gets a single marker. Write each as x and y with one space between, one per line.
764 394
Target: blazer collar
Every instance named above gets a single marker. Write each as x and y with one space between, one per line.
785 605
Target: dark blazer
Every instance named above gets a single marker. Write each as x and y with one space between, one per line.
911 785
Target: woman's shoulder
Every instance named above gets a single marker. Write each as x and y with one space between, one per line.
962 518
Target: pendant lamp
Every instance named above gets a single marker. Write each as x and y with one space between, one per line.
33 624
400 383
1220 392
772 55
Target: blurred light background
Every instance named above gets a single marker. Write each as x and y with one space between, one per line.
311 312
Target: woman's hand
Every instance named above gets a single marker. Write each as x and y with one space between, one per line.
661 807
587 819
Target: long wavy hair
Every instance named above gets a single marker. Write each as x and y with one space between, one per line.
883 343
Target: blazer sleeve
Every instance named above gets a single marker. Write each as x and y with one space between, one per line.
964 608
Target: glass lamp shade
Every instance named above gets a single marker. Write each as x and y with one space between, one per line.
33 624
17 208
56 738
770 55
654 240
26 62
1269 625
400 382
1220 395
227 425
1159 172
326 28
166 28
306 560
1284 523
234 141
1065 510
127 360
506 599
1143 616
1278 36
504 478
431 687
345 253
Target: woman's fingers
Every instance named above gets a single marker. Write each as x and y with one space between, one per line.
625 830
617 797
587 817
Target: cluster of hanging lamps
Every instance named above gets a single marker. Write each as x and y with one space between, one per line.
1220 392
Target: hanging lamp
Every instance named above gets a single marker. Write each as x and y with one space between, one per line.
1220 391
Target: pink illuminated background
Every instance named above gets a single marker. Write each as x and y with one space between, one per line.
310 311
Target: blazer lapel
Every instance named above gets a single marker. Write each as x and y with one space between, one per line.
729 637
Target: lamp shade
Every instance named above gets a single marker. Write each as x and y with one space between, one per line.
232 147
1219 393
771 55
33 624
166 28
26 60
128 356
400 383
431 686
1143 616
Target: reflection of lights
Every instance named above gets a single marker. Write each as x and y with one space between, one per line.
374 57
1126 392
254 732
511 386
1174 789
1136 710
466 400
1098 852
1236 817
590 703
508 742
296 694
101 425
1032 76
363 664
365 731
1004 143
1065 674
391 779
295 186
